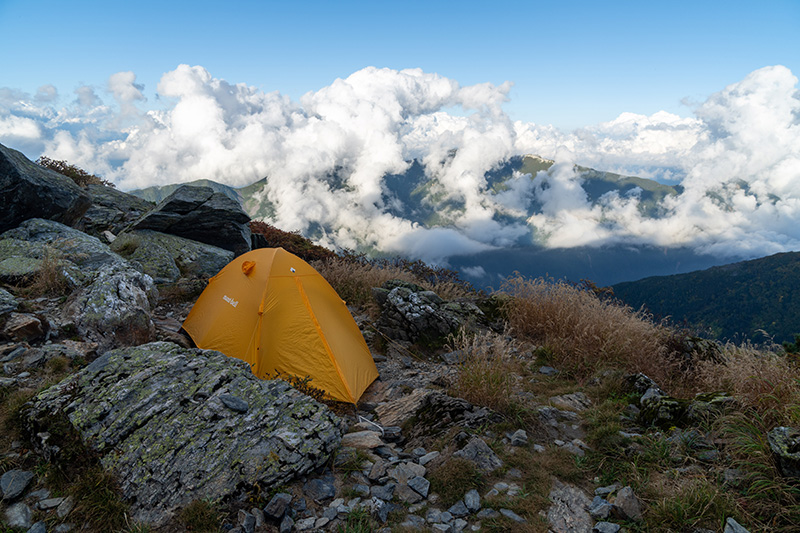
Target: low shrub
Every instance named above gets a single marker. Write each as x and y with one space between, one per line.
292 242
77 174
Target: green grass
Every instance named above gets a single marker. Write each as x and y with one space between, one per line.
202 516
454 478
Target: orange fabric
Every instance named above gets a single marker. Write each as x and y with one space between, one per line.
272 309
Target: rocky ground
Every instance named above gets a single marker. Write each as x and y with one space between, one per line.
112 422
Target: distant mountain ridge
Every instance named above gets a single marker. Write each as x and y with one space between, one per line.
732 301
417 197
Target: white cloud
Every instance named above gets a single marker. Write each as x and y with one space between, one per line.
737 159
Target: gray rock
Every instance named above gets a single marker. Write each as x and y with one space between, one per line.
14 482
361 489
233 403
247 521
200 214
407 495
260 517
166 258
31 191
111 210
378 470
600 508
277 506
49 503
519 438
38 527
66 507
627 505
287 524
548 371
732 526
508 513
414 522
453 358
575 401
428 457
606 527
472 500
433 515
420 484
63 528
458 509
479 453
319 489
383 492
168 437
19 515
7 302
568 513
487 513
785 445
23 327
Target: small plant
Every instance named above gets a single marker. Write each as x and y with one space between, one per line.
698 503
99 501
301 384
77 174
50 279
202 516
125 245
453 478
357 521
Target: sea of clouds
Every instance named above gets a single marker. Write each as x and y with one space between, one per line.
737 159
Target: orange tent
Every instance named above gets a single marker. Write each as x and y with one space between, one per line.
272 309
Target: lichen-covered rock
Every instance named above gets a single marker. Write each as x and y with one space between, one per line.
31 191
111 210
114 309
785 445
166 257
200 214
78 255
568 513
437 413
411 313
155 417
479 453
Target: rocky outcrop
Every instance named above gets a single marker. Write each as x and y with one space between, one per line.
111 302
31 191
115 308
412 313
166 258
785 445
176 425
111 210
200 214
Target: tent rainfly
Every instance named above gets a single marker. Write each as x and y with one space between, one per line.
272 309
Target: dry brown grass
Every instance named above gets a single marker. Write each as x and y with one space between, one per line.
585 333
50 279
354 281
762 380
488 372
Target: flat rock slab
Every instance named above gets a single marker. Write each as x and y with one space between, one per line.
14 482
155 415
568 512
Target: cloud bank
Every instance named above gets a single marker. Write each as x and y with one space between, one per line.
737 159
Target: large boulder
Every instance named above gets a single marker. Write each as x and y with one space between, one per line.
166 258
412 313
176 425
31 191
111 210
200 214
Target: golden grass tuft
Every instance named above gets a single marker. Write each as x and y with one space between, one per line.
762 380
50 280
487 373
585 333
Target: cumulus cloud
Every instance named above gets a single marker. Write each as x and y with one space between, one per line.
326 156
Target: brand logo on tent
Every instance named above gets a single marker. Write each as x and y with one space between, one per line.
230 300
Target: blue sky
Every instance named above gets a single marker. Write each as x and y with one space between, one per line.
572 63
